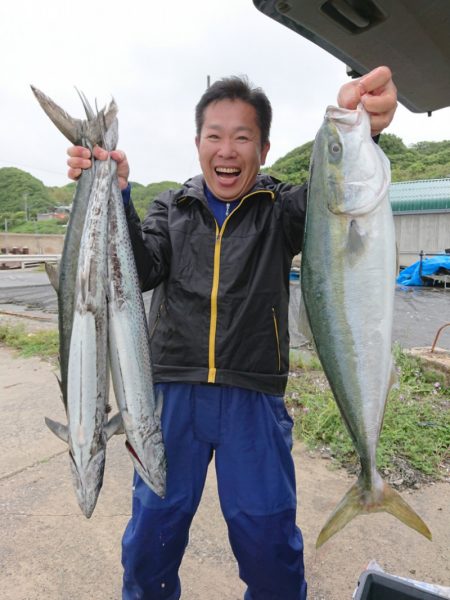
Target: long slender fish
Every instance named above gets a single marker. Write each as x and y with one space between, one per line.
129 348
86 133
348 281
84 324
87 391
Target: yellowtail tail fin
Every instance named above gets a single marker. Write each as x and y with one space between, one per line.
358 501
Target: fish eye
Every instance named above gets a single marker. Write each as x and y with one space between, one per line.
335 148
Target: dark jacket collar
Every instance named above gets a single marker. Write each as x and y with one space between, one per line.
193 187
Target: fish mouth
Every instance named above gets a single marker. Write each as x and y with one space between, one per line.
132 451
155 480
88 481
344 116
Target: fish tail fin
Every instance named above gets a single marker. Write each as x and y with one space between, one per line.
90 114
397 506
85 133
71 128
348 508
109 128
104 119
359 501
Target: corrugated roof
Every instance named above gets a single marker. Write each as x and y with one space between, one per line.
425 195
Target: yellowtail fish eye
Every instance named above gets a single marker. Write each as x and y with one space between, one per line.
335 148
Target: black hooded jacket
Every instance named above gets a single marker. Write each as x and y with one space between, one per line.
219 313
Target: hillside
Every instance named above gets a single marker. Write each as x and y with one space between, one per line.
20 191
143 195
22 196
424 160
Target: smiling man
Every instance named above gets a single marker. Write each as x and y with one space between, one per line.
230 147
217 253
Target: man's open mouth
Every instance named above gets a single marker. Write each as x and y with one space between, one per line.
227 171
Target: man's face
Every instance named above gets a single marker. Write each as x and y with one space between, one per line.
229 148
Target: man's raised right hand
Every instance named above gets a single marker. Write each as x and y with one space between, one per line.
80 158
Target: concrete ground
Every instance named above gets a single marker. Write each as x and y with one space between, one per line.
48 549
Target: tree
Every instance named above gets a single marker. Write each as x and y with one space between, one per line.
20 191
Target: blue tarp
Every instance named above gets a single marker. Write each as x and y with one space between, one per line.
430 266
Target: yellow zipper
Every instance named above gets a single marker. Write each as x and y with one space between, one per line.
158 316
215 288
213 320
275 323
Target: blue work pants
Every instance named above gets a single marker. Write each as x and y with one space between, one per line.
249 433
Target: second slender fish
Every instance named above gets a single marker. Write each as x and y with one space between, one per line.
129 348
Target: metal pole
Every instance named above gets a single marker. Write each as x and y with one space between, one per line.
5 236
420 265
437 335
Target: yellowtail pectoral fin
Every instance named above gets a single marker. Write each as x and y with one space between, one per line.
358 501
356 241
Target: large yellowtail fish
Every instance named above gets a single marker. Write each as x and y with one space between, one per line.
348 282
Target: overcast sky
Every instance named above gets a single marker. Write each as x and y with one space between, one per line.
154 58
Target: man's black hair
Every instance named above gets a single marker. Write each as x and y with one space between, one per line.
237 88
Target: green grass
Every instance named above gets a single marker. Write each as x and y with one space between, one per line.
52 226
42 343
416 425
304 359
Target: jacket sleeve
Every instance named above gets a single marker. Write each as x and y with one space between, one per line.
293 213
150 241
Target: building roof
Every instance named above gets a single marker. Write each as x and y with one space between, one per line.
425 195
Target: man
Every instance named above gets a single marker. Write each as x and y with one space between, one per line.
218 253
